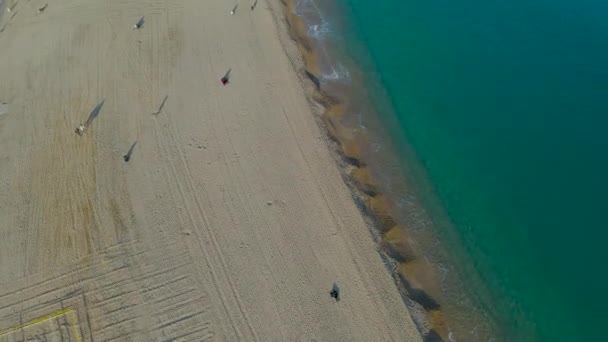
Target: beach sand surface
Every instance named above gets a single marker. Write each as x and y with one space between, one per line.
229 222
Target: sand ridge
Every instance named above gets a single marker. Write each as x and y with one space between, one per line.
229 222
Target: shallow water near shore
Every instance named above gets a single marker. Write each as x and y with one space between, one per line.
484 124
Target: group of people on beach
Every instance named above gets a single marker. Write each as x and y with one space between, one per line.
335 290
255 3
139 25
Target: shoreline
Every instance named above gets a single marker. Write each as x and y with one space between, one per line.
418 281
231 221
396 252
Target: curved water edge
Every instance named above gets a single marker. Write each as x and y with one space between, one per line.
392 191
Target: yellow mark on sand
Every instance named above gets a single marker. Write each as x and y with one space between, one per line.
66 311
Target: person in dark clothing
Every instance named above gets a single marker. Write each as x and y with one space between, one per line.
127 156
226 78
335 292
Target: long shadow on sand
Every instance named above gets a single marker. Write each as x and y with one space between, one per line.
93 114
127 156
162 105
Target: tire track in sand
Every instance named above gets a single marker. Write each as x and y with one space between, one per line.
175 156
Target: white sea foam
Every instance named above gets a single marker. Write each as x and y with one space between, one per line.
336 72
320 31
318 25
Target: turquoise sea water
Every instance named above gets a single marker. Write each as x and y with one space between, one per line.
505 104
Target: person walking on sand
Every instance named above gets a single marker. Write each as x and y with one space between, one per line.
139 24
80 129
127 156
335 292
226 78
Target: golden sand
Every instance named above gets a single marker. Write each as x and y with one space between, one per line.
230 222
419 276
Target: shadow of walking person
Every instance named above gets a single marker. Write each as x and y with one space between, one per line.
226 79
139 24
127 156
162 105
92 115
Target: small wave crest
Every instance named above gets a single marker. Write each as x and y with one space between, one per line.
318 25
319 31
335 72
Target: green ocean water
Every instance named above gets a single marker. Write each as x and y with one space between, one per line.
506 106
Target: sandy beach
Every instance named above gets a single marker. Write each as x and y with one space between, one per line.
231 219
